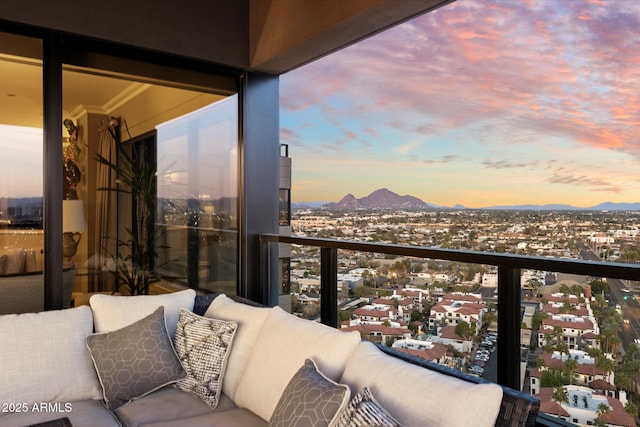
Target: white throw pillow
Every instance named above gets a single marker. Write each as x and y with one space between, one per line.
283 345
249 320
422 397
112 312
43 357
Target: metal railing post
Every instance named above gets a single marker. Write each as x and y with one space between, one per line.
509 321
329 286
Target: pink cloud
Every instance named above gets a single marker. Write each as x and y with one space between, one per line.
532 63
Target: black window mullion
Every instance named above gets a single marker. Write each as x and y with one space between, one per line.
53 174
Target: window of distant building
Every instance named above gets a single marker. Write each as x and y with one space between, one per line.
285 206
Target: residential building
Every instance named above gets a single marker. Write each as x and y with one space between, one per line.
454 308
428 350
586 373
583 405
572 329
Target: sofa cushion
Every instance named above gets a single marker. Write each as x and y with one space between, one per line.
364 411
135 360
81 413
249 320
232 418
167 405
424 397
284 343
310 399
47 345
112 312
203 346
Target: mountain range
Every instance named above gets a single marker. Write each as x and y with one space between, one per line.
387 199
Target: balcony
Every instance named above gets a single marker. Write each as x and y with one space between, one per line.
509 266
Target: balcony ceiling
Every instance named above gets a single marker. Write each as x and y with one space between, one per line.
270 36
284 35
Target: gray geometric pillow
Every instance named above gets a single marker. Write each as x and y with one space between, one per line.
135 360
310 399
364 411
203 346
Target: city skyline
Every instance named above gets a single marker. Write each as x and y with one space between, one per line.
478 104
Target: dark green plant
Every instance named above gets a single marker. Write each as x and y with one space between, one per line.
134 254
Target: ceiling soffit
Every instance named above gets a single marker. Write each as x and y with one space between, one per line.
284 35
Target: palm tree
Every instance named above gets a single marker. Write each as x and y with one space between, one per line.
595 353
557 330
547 346
631 408
607 365
601 413
560 396
571 366
614 342
577 289
563 348
538 318
633 350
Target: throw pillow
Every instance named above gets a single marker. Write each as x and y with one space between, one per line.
135 360
286 341
112 312
474 404
310 399
203 346
364 411
51 345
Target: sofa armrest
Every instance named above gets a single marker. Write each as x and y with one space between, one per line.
516 409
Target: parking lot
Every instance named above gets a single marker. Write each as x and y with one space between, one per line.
482 357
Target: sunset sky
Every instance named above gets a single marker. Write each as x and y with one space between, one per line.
479 103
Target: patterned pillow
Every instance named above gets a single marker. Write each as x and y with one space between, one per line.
135 360
203 346
363 411
310 399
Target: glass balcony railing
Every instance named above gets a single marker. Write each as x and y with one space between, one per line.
509 357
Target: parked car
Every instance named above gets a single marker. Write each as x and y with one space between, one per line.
476 370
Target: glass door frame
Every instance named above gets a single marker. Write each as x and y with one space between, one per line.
61 50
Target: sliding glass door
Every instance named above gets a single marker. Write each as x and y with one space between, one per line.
110 117
21 175
157 169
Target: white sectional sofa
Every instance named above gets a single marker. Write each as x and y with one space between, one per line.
114 364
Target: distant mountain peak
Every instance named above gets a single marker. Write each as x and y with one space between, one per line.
382 198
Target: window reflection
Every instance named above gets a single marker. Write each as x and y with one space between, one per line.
197 197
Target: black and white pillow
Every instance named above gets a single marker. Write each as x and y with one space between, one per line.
364 411
203 346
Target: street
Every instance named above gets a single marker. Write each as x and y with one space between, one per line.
619 294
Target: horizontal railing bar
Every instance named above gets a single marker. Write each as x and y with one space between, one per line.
560 265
